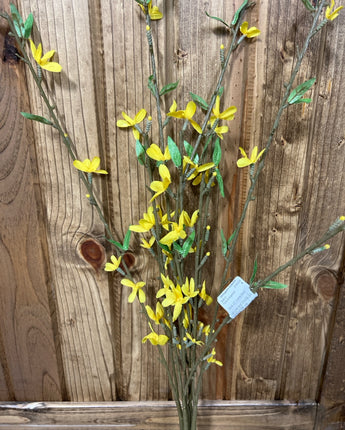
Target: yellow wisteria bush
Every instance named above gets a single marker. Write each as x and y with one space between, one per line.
177 237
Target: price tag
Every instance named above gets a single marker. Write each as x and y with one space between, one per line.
236 297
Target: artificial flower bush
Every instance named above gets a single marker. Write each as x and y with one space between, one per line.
177 237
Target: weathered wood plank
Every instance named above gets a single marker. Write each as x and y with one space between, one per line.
317 280
28 355
157 415
331 411
80 285
105 72
286 217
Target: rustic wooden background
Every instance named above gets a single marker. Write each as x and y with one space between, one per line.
66 329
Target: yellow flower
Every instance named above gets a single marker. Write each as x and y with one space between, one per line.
44 61
332 15
146 223
168 285
154 12
136 288
221 130
176 233
155 153
188 288
185 321
89 166
213 360
129 122
206 298
207 330
251 32
111 267
155 316
168 258
165 221
228 114
156 339
188 114
174 297
246 161
148 244
197 172
160 186
189 337
187 221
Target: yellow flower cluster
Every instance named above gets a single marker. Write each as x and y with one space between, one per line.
175 230
178 295
332 14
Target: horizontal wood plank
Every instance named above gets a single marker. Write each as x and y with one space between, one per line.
154 415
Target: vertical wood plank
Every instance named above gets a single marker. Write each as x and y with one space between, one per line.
331 412
317 280
288 215
28 353
126 66
81 288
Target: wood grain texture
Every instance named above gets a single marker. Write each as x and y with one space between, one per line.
156 415
281 355
331 412
278 347
81 292
28 355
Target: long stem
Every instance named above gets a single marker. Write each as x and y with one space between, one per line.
331 232
155 78
282 107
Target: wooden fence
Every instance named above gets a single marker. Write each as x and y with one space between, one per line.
66 329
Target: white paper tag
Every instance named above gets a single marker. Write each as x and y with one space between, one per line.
236 297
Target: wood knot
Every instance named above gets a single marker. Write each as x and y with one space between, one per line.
10 52
93 253
129 259
325 283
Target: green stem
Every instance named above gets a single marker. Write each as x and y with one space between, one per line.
327 236
281 109
155 79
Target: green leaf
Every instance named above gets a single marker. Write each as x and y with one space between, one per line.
308 5
17 20
37 118
151 85
255 268
165 247
275 285
177 248
199 101
231 237
167 88
188 148
126 240
238 12
303 101
140 151
174 152
217 19
220 92
220 183
28 26
224 243
299 91
117 244
217 152
188 244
